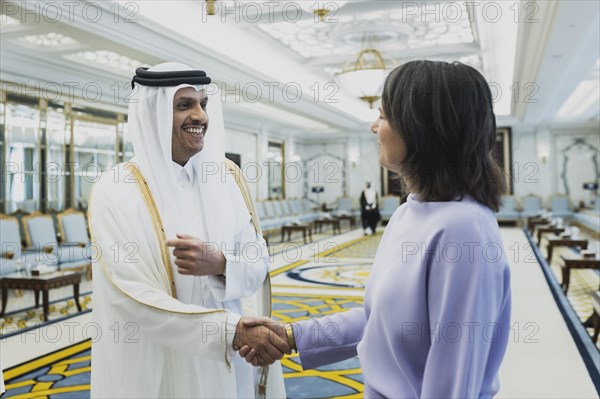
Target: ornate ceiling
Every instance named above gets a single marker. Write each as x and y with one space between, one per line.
256 44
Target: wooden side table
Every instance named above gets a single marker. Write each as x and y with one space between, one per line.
576 262
335 224
43 283
296 227
548 229
564 242
532 222
351 219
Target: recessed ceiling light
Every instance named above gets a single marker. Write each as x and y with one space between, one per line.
51 39
103 59
6 21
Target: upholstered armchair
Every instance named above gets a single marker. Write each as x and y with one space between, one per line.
41 235
560 206
20 214
11 253
344 207
389 205
532 206
73 228
509 209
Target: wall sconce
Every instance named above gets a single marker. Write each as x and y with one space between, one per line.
544 155
353 157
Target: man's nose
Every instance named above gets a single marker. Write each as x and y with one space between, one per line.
199 114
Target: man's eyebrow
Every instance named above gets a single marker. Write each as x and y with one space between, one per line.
192 99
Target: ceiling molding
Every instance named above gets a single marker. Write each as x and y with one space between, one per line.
571 51
241 53
531 47
455 50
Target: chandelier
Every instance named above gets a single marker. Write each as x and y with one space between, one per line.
365 78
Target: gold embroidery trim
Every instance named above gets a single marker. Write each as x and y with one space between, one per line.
237 174
156 223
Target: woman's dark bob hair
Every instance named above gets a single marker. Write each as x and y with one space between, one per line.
443 112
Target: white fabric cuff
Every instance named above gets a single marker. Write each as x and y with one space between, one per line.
221 286
230 328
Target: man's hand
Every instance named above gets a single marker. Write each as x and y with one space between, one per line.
251 354
256 338
194 257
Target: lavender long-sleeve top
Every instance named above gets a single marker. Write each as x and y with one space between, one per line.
436 318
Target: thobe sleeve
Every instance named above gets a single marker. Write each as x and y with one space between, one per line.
329 339
469 304
208 335
247 265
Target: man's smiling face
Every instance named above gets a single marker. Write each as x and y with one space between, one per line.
190 123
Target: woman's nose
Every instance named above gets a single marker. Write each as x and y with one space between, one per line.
375 126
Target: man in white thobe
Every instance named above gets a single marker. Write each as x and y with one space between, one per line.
369 209
168 321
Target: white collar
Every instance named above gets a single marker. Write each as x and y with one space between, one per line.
186 172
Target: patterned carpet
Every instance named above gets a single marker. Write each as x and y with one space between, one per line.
31 318
59 375
329 283
66 373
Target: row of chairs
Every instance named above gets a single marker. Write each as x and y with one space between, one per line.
532 205
275 214
42 245
559 206
62 240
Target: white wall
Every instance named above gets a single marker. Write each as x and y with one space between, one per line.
366 168
576 159
293 171
341 166
539 160
324 166
245 144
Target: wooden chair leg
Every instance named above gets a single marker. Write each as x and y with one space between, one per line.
596 323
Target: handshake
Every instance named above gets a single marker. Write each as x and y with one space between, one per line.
261 341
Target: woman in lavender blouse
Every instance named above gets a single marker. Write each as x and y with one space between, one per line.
436 318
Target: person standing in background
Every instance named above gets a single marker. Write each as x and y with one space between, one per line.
369 209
